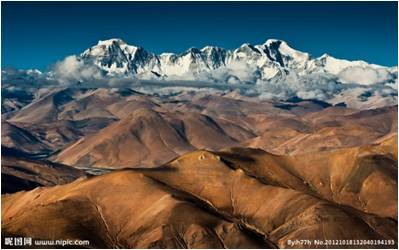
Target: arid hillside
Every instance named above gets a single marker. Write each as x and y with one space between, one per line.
237 198
116 128
124 169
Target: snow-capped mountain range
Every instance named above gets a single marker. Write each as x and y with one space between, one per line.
274 59
269 70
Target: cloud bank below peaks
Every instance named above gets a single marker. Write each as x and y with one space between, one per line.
272 70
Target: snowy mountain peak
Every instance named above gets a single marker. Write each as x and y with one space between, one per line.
247 47
110 46
209 48
111 41
270 70
325 55
116 57
274 59
212 49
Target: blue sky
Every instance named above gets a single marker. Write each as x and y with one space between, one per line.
35 35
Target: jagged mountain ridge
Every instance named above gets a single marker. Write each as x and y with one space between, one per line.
271 71
273 59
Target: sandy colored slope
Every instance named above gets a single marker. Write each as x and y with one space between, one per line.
332 128
48 137
44 109
156 137
139 139
149 138
63 116
256 198
104 128
68 104
287 195
364 178
204 132
122 209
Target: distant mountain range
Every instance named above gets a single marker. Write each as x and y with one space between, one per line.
274 59
269 70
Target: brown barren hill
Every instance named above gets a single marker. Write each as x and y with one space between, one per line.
147 138
329 129
140 139
235 198
21 173
122 209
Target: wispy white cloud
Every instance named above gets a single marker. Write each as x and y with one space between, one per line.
243 79
365 75
71 69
